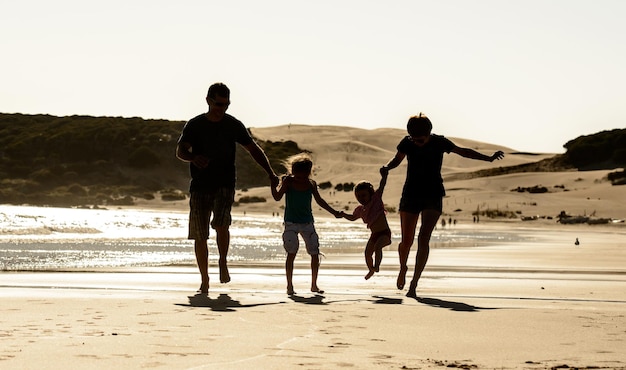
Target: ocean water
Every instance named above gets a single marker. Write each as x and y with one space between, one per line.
47 238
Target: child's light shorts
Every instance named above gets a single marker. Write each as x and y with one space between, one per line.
309 235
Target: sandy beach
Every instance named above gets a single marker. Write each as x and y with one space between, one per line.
537 305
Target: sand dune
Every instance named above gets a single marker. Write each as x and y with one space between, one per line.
341 151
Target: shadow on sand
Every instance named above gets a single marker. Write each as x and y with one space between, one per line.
454 306
223 303
315 299
387 300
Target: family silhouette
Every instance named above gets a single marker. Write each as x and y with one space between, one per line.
208 143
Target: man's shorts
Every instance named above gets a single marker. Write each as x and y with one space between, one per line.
202 205
309 235
417 205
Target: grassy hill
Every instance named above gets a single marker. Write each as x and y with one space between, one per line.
83 160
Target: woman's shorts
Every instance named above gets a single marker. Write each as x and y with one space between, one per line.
291 242
417 205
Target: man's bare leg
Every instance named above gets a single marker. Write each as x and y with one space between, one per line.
429 221
289 272
315 266
223 243
202 258
408 222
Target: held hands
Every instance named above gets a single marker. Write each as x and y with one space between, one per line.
497 155
274 180
384 171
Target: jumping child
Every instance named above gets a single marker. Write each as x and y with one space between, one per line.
299 189
372 211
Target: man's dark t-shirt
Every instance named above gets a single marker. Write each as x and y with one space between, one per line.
216 141
423 176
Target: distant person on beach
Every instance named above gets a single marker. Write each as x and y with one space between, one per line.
299 190
423 190
372 211
207 142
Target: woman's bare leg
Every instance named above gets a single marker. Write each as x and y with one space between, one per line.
429 221
408 222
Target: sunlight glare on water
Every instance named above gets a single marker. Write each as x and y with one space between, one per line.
40 238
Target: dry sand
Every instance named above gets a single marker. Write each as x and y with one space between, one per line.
537 304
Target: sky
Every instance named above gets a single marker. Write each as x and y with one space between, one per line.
529 75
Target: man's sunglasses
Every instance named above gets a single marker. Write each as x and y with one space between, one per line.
219 104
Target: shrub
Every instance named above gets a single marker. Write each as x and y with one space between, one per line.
70 176
76 189
495 213
252 199
325 185
346 186
143 157
537 189
44 176
173 195
124 201
619 156
617 177
147 196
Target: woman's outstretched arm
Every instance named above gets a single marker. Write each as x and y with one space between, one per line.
472 154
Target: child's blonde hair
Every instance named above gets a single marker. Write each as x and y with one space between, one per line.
299 163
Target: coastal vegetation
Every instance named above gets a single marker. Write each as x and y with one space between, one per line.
84 160
599 151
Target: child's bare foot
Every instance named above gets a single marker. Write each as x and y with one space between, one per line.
401 278
315 289
370 274
290 290
204 288
224 275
